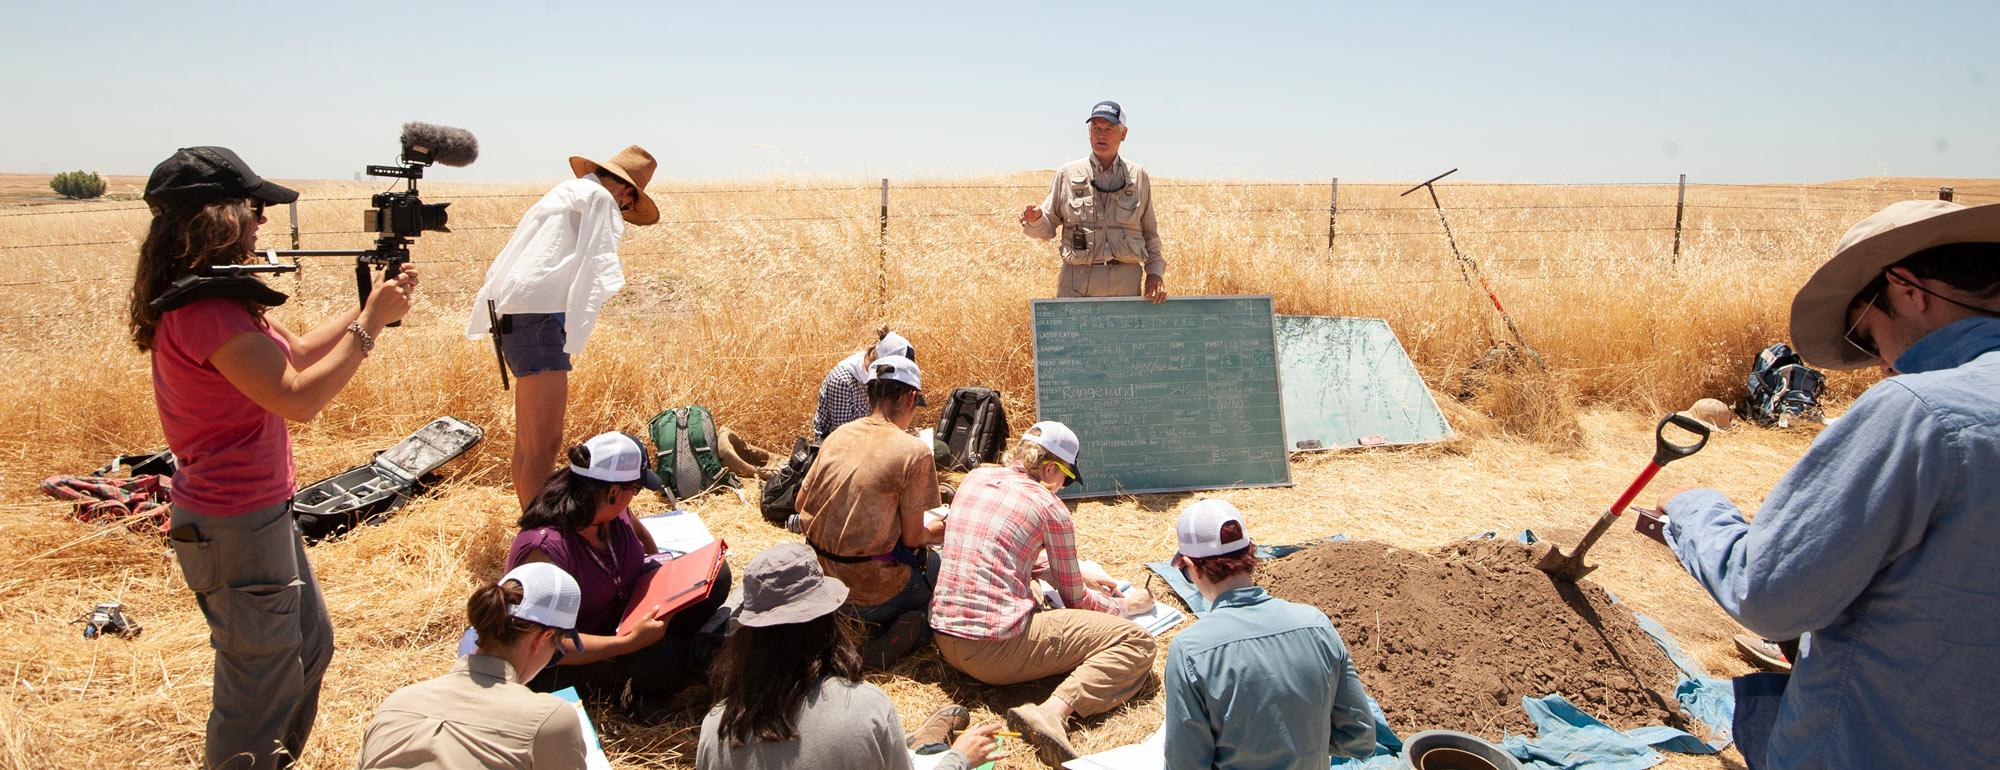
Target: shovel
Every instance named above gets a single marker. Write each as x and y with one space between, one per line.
1571 568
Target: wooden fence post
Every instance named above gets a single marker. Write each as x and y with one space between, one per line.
882 247
1332 214
1680 208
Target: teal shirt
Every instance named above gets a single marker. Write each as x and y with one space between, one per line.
1261 683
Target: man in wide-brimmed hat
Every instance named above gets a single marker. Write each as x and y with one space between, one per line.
1879 545
547 287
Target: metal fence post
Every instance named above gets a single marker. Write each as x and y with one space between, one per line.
882 245
294 206
1332 214
1680 208
1944 193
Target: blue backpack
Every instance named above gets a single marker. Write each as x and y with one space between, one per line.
1783 388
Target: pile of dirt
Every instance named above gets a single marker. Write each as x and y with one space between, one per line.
1453 638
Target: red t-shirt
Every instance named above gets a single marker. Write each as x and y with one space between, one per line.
235 456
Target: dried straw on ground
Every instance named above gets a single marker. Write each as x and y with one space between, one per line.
741 300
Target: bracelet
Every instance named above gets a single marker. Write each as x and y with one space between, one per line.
367 340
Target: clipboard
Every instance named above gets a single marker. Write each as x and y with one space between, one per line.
675 585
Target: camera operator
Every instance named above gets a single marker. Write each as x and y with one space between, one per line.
225 380
547 287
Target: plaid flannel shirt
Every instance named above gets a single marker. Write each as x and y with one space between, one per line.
842 399
1001 521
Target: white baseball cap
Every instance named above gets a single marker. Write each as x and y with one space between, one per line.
1059 440
549 596
1200 529
893 344
899 369
618 458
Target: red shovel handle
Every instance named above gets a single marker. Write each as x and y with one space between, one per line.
1664 451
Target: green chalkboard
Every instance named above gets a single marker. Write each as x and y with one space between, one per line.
1176 396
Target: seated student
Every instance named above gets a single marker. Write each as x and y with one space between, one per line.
843 395
480 715
789 688
1259 682
580 522
987 614
863 505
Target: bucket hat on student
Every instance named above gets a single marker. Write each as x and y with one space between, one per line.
1819 310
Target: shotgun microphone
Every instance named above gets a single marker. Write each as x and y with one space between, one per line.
428 143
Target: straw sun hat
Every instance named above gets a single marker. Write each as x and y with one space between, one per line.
634 165
1819 311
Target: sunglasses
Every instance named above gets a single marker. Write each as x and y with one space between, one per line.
1862 340
1069 476
257 207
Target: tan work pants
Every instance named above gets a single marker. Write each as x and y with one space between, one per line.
1115 279
1107 657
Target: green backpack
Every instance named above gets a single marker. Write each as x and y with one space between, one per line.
685 442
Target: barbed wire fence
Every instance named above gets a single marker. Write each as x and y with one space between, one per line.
1340 221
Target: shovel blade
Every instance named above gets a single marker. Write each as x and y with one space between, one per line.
1562 567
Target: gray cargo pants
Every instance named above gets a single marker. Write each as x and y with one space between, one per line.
268 625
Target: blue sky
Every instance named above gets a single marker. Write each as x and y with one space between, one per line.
1526 91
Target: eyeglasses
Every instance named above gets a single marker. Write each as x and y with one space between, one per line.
257 208
1862 340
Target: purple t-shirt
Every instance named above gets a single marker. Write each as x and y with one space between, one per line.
607 577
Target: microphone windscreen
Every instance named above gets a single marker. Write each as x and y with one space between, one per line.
446 145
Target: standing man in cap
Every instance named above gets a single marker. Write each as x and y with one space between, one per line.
1879 544
1259 682
547 287
843 394
862 509
987 613
1102 206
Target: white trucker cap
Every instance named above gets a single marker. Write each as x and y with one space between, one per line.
1200 529
1059 440
893 344
549 596
618 458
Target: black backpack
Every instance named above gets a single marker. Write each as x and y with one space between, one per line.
779 499
1782 388
972 429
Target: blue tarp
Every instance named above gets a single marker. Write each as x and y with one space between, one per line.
1565 737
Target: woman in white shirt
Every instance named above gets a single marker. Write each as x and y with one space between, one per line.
547 287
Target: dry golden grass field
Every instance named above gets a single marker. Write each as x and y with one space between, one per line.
749 290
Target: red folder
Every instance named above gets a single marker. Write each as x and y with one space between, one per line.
675 585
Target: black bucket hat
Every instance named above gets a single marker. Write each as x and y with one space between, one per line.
195 175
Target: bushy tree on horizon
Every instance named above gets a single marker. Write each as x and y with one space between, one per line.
77 185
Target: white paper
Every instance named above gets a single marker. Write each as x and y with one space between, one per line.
1158 620
1147 754
593 750
926 761
677 532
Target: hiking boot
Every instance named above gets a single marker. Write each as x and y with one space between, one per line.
938 729
1042 731
1767 655
900 637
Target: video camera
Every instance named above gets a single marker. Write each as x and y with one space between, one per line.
397 218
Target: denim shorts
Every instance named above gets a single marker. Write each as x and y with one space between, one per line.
533 343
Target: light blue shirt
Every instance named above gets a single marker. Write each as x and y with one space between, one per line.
1884 544
1261 683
